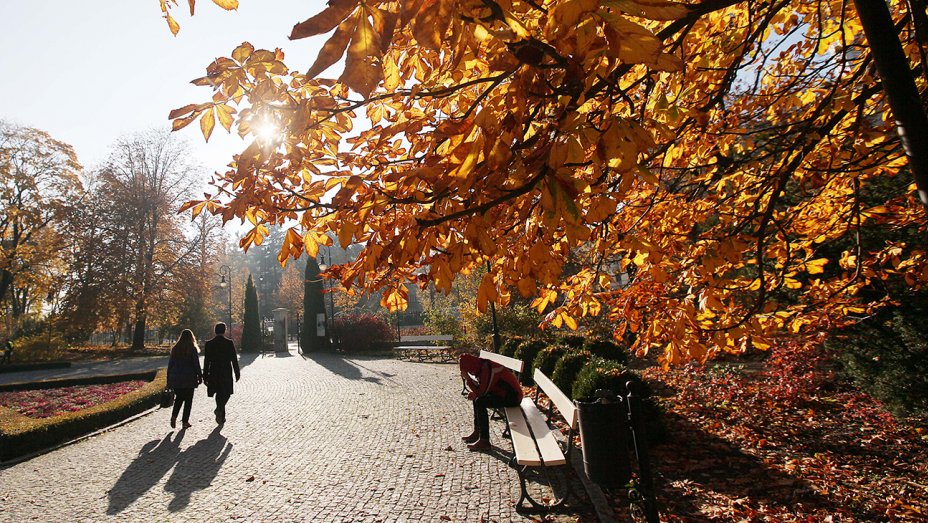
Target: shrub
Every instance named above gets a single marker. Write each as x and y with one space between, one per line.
600 373
38 348
547 358
527 352
511 345
566 369
362 332
887 356
573 341
606 349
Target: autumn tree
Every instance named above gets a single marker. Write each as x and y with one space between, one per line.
146 178
714 150
39 186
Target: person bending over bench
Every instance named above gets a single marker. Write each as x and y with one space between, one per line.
490 385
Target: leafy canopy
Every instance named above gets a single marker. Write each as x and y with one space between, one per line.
714 151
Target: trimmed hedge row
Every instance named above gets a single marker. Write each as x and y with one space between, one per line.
21 435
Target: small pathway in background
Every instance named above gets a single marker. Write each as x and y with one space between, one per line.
317 438
88 369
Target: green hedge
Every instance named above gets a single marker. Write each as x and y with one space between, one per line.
527 353
567 368
21 435
607 349
600 373
511 345
573 341
547 358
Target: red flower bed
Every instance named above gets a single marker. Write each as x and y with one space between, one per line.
45 403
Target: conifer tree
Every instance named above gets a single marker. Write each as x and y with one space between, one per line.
251 333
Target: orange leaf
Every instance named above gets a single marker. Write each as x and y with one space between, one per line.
333 49
324 21
362 65
207 122
228 5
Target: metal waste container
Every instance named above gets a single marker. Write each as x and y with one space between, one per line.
604 439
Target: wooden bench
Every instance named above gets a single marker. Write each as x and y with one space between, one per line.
534 442
424 348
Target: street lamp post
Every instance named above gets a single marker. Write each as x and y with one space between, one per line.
496 340
323 267
225 272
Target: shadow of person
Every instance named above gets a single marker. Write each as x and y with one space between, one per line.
197 467
155 459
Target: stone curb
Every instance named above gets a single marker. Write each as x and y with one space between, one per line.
604 512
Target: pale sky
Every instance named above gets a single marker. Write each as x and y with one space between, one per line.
90 71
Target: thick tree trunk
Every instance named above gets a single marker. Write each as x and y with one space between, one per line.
138 336
899 85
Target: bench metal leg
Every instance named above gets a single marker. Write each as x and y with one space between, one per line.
533 505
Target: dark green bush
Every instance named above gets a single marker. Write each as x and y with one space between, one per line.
511 345
567 367
527 353
887 356
573 341
601 373
547 358
606 349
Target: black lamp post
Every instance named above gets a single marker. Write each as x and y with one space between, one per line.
323 267
496 340
225 272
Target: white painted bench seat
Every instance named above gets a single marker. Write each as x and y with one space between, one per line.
534 442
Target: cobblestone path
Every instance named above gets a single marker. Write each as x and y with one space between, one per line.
320 438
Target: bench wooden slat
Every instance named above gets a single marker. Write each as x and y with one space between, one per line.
423 347
551 453
522 442
436 337
560 400
505 361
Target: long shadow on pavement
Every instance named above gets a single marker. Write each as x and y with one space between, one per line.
337 364
197 467
155 459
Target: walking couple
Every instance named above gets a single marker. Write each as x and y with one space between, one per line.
184 374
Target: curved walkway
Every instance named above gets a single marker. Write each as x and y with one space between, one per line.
321 438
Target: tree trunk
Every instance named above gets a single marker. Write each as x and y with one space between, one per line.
899 86
138 336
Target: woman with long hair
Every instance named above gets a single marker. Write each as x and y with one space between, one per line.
184 375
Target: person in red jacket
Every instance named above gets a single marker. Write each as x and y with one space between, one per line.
491 386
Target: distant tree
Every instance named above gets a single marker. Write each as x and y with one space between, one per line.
38 188
251 334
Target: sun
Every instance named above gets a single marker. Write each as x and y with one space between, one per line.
267 131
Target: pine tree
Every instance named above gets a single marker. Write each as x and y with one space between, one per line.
251 333
313 304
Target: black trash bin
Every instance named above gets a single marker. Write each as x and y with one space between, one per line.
604 439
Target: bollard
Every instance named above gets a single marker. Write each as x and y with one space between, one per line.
604 439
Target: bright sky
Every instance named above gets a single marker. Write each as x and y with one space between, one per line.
91 71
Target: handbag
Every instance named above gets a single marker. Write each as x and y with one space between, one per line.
167 398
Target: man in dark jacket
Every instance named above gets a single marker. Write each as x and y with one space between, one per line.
219 362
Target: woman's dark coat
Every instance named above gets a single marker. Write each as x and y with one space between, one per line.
219 362
183 370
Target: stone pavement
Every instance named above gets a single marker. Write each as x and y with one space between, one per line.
320 438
